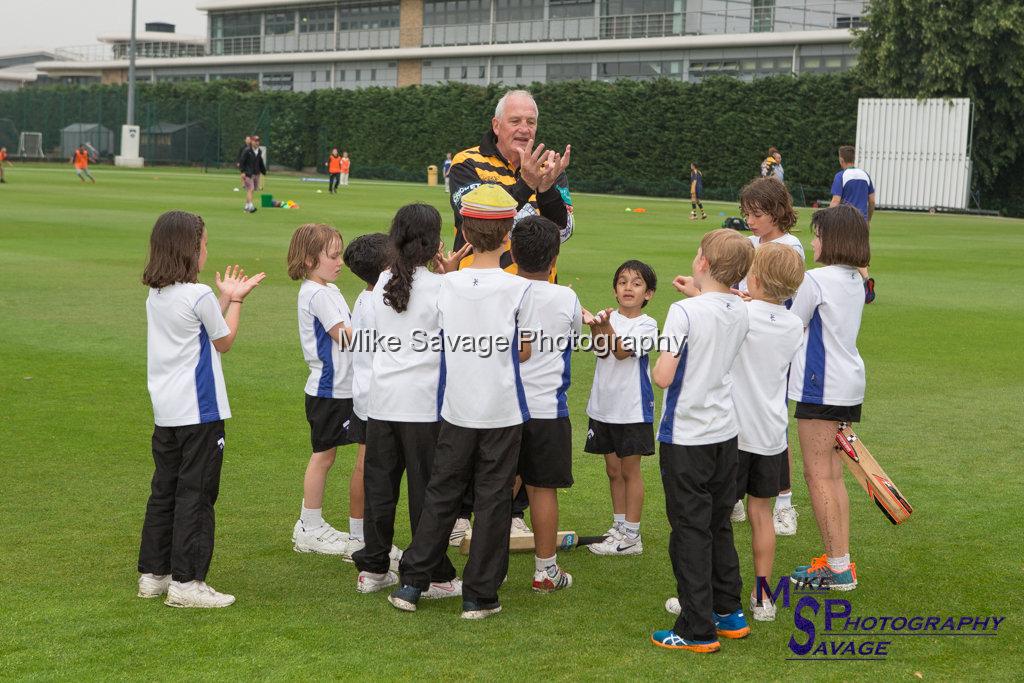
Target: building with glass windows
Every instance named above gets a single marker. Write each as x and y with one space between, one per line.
305 45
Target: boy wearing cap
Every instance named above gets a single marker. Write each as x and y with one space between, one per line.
482 311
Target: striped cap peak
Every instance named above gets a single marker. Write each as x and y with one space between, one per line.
490 202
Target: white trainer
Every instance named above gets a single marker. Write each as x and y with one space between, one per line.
784 520
738 514
352 546
324 540
619 544
672 606
519 527
545 582
763 612
368 582
153 585
458 531
195 594
446 589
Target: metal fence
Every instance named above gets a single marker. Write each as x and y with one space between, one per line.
202 132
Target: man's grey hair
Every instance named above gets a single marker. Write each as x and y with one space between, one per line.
499 110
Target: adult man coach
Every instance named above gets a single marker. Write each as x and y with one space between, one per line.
853 186
506 156
536 180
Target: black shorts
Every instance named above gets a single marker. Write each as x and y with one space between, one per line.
357 429
621 439
545 453
328 422
759 475
813 411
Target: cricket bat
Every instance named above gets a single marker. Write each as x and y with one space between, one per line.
872 478
567 540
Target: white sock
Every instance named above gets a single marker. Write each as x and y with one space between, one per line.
355 527
784 500
632 529
618 520
541 564
839 564
312 518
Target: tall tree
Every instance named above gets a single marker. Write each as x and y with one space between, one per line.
955 48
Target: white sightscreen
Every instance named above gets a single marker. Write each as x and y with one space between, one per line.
917 152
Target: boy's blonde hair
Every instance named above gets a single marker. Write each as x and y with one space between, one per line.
308 242
778 269
486 234
728 254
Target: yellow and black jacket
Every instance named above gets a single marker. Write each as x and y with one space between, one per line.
485 164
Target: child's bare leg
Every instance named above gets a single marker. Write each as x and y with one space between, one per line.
823 471
316 478
613 466
544 516
762 528
313 534
633 483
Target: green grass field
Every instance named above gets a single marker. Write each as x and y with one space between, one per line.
941 346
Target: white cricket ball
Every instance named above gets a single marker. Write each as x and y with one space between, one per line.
319 191
235 189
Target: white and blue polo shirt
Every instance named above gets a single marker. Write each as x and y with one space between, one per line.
852 186
622 391
828 369
557 321
321 307
709 329
482 312
186 384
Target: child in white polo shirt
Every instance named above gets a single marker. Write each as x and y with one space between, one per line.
366 257
402 406
828 381
188 329
698 444
325 327
545 454
621 406
759 391
483 310
768 209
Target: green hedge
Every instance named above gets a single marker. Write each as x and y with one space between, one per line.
628 137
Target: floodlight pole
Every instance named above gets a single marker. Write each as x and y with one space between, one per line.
130 133
131 69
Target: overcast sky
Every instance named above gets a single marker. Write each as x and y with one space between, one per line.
61 23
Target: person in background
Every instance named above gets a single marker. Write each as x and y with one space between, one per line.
854 186
3 160
238 159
